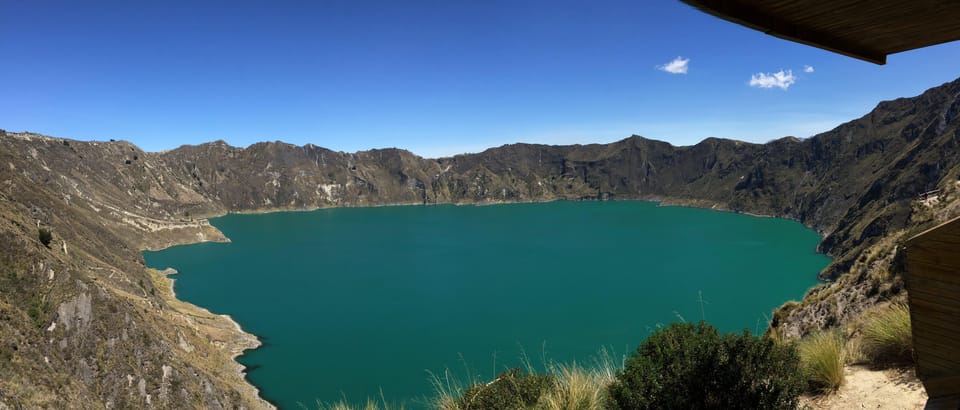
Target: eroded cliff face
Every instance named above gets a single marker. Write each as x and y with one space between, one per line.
82 320
83 323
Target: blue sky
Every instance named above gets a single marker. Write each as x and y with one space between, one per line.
435 77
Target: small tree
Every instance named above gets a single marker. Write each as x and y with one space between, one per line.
692 366
45 237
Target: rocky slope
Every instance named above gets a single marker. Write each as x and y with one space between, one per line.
82 320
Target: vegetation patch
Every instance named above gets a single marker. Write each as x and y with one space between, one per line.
559 386
45 236
6 356
510 390
576 388
887 335
822 357
370 404
693 366
38 311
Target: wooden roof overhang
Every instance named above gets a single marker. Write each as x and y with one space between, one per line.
864 29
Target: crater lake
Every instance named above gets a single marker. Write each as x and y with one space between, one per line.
352 302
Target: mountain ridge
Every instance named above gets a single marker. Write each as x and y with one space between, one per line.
864 186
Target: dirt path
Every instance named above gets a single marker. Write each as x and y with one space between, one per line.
873 389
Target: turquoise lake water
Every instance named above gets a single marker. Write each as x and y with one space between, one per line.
350 302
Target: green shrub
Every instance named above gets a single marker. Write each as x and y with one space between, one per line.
822 359
887 335
38 311
510 390
45 236
693 366
6 356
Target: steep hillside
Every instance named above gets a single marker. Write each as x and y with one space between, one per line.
83 320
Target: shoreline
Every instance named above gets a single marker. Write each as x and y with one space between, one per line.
236 349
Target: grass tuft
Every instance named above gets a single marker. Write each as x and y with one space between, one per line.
822 359
371 404
854 351
447 390
576 388
887 337
573 387
582 388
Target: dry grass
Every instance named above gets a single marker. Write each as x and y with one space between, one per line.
343 405
887 336
371 404
447 390
854 351
822 358
582 388
576 387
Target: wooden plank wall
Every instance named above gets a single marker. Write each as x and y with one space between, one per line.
933 284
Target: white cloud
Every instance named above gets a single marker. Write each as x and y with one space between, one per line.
782 79
808 68
677 66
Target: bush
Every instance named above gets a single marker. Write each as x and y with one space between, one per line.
510 390
38 311
45 237
887 335
6 356
693 366
822 359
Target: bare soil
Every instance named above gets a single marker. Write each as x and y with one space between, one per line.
866 388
